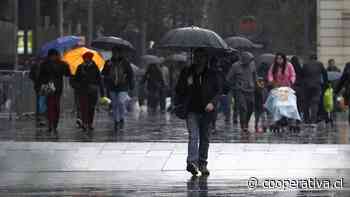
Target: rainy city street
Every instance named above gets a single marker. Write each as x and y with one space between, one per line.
148 159
195 98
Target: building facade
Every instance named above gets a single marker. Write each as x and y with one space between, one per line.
333 34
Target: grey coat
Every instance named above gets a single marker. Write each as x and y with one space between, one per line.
242 76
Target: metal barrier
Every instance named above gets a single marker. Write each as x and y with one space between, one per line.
17 95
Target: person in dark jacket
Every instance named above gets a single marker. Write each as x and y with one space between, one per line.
332 67
261 92
88 79
242 78
34 74
198 87
155 84
119 80
314 76
298 85
52 71
345 83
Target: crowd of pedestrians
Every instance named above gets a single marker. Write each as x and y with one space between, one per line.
232 84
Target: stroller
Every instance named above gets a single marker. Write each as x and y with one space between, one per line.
281 104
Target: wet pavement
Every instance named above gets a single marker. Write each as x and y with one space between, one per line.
157 169
148 159
141 127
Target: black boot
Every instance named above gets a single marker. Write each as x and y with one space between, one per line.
116 126
121 124
192 168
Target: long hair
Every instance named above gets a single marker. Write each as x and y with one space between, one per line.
296 64
276 66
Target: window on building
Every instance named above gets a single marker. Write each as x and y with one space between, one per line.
20 42
24 42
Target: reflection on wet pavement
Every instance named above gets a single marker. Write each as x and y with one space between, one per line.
141 127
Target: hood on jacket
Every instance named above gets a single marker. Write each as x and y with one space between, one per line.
246 57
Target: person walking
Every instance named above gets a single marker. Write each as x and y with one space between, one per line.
41 100
198 89
281 72
165 90
118 77
261 92
88 82
332 67
345 83
314 76
242 78
298 85
51 75
155 84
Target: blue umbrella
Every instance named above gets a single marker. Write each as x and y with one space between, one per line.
61 44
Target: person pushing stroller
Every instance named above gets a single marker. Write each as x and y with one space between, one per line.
281 77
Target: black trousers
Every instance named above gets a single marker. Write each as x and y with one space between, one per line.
312 97
246 105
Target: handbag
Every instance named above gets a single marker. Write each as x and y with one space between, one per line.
47 89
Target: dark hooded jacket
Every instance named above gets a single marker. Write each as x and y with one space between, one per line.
242 76
53 71
198 90
344 82
118 75
88 79
314 74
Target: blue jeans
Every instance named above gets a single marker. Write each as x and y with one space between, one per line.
119 105
198 144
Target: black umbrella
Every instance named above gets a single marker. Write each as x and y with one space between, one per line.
177 58
267 58
241 43
190 38
108 42
151 59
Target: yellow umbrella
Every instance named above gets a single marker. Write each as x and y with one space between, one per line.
74 58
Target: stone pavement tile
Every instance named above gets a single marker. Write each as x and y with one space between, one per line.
77 164
88 151
223 162
345 147
163 146
144 146
153 163
3 153
128 163
154 153
176 162
257 147
110 153
115 146
50 165
64 146
103 164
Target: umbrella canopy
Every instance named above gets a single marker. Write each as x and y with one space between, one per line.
151 59
74 58
190 38
177 58
334 76
60 44
109 42
241 43
267 58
